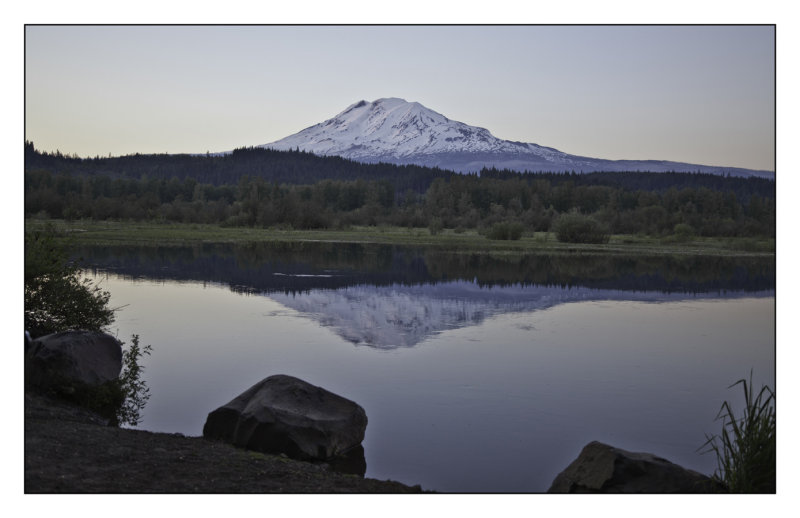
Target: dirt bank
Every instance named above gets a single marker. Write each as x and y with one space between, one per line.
69 450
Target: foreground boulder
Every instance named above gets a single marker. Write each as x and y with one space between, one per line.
88 357
601 468
284 414
81 367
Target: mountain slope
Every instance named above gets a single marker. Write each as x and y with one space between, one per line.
399 132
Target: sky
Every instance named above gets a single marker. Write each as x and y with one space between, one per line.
697 94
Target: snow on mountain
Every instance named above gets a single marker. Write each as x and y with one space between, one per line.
400 132
396 128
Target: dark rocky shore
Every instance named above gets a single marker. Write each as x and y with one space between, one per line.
70 450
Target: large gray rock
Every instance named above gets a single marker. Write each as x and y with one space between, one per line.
601 468
89 357
284 414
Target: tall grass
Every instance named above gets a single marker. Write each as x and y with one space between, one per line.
745 448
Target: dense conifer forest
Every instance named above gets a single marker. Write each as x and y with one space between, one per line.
266 188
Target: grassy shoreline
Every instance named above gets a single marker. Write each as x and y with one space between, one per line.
89 232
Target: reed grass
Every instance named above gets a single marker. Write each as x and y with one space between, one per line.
746 447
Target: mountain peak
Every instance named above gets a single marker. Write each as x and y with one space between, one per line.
391 129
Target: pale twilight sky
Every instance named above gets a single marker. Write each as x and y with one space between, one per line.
698 94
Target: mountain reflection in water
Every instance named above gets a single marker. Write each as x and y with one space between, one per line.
388 296
403 316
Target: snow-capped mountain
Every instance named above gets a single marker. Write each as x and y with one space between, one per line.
396 131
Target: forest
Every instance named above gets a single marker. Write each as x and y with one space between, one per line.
292 189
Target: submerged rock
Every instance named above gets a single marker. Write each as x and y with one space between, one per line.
601 468
284 414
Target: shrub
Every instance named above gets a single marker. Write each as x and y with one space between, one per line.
56 298
576 228
506 230
683 232
745 449
436 225
134 389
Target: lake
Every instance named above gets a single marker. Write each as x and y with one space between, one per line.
478 372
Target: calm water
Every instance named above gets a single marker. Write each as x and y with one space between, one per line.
477 373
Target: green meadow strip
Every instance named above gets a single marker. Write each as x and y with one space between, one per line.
89 232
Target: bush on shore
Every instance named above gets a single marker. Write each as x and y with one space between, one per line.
577 228
56 298
509 231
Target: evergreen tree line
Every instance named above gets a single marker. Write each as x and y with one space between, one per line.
301 168
529 202
293 167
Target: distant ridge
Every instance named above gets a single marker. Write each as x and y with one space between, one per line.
395 131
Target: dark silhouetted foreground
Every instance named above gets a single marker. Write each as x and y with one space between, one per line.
69 450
